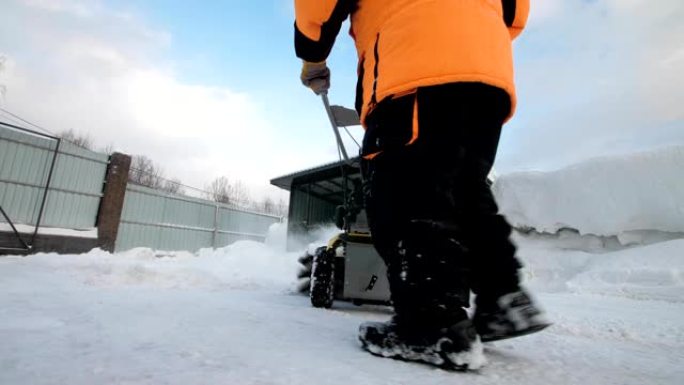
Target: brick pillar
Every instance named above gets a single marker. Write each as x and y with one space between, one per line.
112 200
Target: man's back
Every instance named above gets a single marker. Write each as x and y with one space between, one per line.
404 44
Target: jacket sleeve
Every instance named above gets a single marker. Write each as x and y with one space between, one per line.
515 15
317 23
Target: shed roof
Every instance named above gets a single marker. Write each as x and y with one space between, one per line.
325 182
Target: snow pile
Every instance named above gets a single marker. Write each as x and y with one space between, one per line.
248 263
241 265
654 272
622 196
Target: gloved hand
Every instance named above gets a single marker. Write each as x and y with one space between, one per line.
316 76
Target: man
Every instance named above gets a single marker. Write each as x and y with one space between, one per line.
435 87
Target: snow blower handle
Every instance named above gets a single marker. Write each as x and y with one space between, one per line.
333 123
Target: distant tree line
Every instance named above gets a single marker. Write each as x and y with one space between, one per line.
235 192
145 172
78 138
84 141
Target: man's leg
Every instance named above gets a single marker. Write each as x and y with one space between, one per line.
409 213
477 112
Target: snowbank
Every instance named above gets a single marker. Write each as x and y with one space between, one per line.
654 272
613 196
241 265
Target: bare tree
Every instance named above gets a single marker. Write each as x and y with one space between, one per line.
80 139
108 149
240 194
173 186
224 190
145 172
219 190
268 206
282 208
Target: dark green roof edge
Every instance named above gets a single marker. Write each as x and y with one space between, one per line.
316 174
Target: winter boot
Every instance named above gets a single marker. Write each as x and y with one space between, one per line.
455 348
511 315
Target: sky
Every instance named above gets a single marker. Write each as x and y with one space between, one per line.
211 88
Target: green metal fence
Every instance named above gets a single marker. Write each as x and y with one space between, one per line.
75 190
150 218
164 221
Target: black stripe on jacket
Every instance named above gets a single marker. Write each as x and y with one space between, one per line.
317 51
508 11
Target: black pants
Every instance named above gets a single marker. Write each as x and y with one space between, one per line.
432 214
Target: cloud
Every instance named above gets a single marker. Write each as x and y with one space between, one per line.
595 78
74 7
82 65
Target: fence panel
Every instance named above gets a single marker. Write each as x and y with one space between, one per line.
165 221
76 187
150 218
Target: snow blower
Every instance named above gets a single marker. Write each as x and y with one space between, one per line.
348 268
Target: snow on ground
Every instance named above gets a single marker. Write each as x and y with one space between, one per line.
229 316
26 229
613 196
653 272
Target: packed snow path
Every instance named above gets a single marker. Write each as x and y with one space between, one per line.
230 317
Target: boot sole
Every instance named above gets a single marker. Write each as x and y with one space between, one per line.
445 365
519 333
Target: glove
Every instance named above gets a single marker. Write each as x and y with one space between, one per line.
316 76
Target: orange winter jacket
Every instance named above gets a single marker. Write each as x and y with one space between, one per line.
405 44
